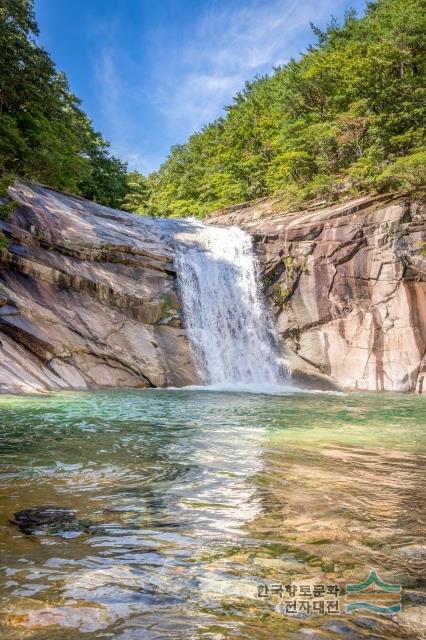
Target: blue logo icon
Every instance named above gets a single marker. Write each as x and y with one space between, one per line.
374 595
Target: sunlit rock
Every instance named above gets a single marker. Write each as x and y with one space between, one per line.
347 286
88 298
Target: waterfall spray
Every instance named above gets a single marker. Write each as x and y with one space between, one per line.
232 335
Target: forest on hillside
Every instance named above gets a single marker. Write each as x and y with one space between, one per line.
44 133
346 117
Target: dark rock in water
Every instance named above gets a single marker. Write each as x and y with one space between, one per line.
338 626
48 518
53 520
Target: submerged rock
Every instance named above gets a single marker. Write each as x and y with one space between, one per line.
415 552
45 518
27 616
54 520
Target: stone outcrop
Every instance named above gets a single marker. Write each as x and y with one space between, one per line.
88 294
87 298
347 285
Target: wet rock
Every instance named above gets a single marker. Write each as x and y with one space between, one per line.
415 596
347 285
338 626
414 552
27 616
414 618
373 624
45 518
311 634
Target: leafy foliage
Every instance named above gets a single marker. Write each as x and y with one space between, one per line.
4 241
44 134
347 117
406 174
138 191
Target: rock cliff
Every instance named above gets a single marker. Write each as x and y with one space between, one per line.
347 285
88 294
87 298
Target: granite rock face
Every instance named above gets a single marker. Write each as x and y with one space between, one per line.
347 285
88 294
87 298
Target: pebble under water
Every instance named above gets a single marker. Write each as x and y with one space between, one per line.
183 503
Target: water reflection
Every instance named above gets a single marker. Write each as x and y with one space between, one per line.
193 499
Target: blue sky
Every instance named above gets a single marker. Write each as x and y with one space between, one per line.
150 72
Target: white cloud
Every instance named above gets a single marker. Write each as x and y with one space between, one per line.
191 78
228 47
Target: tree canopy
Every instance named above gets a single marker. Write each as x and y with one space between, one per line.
44 133
347 117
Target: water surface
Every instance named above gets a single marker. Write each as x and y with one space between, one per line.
190 500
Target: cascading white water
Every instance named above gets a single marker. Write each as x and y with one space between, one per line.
232 336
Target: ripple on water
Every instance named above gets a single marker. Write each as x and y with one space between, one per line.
194 499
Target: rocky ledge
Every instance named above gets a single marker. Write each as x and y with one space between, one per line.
87 298
347 285
88 294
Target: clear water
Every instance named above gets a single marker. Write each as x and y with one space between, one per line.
195 498
232 336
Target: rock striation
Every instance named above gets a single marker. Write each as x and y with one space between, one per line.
87 298
347 286
88 294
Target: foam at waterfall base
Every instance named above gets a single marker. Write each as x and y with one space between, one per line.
224 387
256 389
234 343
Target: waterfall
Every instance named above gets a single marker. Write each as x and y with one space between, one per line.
232 335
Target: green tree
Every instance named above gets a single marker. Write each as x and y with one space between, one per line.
340 120
106 181
138 193
44 134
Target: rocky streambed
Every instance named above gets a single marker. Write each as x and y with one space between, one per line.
195 514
